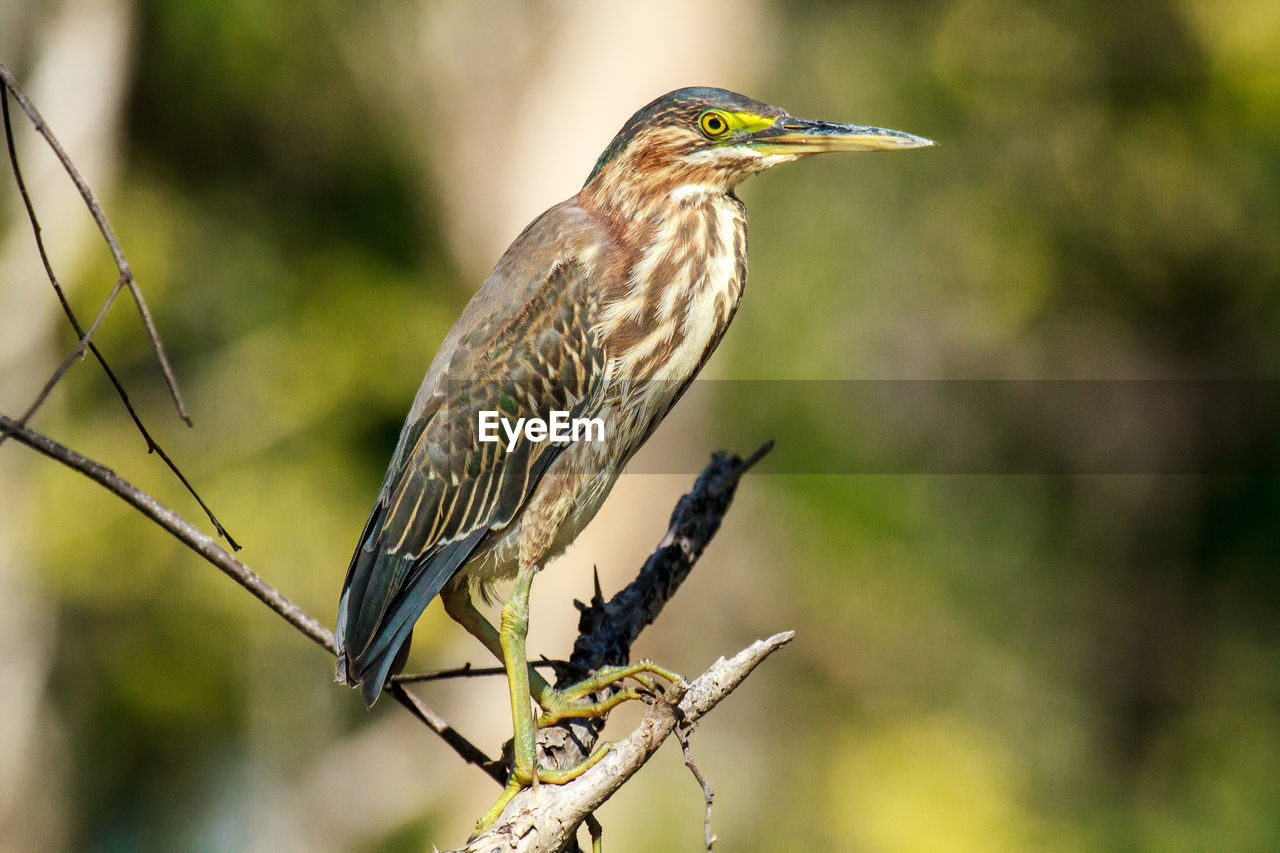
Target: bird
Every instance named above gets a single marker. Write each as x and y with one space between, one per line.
602 310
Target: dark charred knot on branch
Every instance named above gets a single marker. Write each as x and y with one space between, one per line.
607 630
544 818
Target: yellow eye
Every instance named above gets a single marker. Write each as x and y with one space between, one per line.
713 124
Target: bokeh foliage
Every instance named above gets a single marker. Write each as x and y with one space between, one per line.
986 661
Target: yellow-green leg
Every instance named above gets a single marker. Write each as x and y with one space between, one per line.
458 604
556 704
512 633
508 643
513 630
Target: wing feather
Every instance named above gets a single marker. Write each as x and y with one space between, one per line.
446 491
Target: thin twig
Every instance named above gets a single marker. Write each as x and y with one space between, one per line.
125 275
76 353
470 753
203 544
682 732
468 671
208 548
104 228
596 831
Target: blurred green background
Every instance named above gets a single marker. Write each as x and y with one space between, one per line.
309 193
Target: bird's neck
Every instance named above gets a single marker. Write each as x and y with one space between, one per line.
679 283
628 205
629 188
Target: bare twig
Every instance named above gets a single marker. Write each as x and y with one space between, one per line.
683 729
207 547
125 275
596 831
185 531
465 748
468 671
76 353
539 819
11 83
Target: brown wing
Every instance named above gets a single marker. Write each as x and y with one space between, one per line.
445 489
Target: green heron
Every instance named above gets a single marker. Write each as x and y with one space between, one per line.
606 306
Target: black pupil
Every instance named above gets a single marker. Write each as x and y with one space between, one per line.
715 124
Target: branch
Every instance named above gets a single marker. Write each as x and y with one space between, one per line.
104 227
185 531
76 353
682 734
207 547
467 670
609 627
125 279
606 631
543 819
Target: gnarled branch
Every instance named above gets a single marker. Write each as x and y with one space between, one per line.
544 819
607 631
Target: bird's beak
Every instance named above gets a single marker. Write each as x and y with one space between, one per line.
790 135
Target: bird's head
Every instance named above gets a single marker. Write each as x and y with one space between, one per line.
712 138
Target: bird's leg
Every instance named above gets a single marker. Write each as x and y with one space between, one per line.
457 603
555 704
513 630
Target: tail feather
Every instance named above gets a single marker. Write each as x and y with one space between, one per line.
380 603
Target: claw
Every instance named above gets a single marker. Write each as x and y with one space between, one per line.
513 787
518 783
566 703
559 777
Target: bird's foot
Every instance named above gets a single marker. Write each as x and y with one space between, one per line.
566 703
519 781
